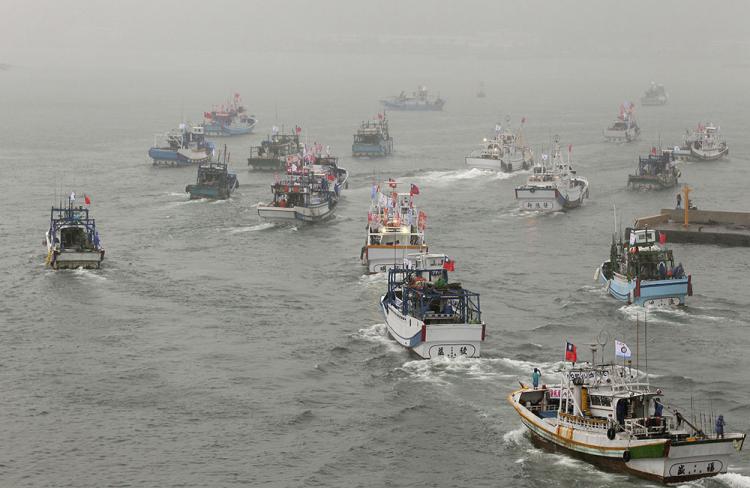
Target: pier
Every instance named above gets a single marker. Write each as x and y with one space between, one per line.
700 226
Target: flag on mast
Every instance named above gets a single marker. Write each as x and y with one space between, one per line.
622 350
570 352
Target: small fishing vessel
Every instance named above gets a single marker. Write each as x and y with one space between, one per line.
656 171
656 94
642 271
229 119
395 227
183 146
705 144
308 192
481 93
609 416
72 239
507 151
625 128
373 139
273 152
214 180
419 101
553 185
428 314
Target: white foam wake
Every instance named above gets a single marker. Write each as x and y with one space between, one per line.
734 480
252 228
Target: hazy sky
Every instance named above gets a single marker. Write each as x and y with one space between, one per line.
139 31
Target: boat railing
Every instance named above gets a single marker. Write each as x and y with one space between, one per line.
647 426
589 423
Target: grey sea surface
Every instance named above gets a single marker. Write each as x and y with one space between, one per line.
213 349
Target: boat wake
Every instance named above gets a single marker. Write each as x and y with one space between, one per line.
665 315
89 274
252 228
373 279
446 177
377 334
734 480
515 437
443 369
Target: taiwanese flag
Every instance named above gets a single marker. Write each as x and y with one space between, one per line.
570 352
414 190
662 238
87 199
449 265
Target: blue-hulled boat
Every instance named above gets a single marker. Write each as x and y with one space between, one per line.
229 120
372 139
214 181
642 271
183 146
72 239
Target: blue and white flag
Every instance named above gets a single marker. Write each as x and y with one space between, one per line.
622 350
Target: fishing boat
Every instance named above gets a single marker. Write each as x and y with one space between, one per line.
656 171
308 192
656 94
418 101
553 185
183 146
372 139
705 144
395 227
72 239
229 119
272 153
428 314
642 271
625 128
481 93
606 414
214 181
507 151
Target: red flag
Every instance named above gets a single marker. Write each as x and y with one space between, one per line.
331 177
298 129
87 199
570 352
449 265
207 115
414 190
662 237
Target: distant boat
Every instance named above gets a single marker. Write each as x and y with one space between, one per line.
480 92
506 152
705 143
656 171
214 180
373 139
417 101
180 147
230 119
72 239
625 128
273 152
553 185
430 315
656 94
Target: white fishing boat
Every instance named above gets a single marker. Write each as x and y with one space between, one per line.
625 128
507 151
429 315
553 185
395 227
707 144
605 414
656 94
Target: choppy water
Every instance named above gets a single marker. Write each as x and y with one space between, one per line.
216 350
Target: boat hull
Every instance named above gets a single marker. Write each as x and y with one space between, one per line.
181 157
75 259
385 148
628 135
497 164
413 107
652 101
430 340
550 199
380 258
657 459
697 154
311 214
223 130
648 292
637 182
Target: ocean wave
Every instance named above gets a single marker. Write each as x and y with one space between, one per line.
377 333
373 278
515 437
734 480
446 177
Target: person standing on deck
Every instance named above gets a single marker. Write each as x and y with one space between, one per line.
679 201
535 377
720 426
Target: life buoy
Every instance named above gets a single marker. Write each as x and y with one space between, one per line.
611 433
532 189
